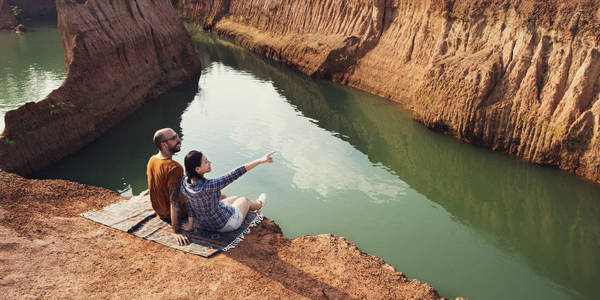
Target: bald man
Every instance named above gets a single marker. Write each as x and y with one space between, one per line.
164 178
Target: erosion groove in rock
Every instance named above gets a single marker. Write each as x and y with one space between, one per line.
118 54
520 77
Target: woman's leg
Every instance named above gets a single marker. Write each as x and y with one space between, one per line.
230 200
244 204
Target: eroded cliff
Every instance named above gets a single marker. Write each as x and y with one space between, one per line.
520 77
7 18
118 54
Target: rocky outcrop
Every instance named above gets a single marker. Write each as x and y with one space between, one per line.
40 228
520 77
118 54
8 21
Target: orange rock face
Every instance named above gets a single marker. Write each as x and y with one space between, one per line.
520 77
118 54
7 19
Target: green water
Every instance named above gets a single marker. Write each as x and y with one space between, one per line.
31 66
468 221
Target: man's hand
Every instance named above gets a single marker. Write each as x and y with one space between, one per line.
182 239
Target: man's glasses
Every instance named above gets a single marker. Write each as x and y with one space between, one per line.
171 138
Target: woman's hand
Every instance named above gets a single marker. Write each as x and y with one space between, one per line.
268 158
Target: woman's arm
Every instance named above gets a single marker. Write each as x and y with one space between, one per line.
223 181
265 159
220 183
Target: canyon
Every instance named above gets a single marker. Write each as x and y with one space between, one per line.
518 77
117 56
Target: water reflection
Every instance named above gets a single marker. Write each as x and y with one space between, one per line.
469 221
548 218
31 66
118 160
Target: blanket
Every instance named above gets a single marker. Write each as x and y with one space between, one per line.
136 216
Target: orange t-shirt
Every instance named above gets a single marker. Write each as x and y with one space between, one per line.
163 174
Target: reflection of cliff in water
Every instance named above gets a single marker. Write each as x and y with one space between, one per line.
128 161
548 217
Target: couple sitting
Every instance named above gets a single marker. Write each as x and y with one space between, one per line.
174 197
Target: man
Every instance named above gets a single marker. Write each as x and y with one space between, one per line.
164 179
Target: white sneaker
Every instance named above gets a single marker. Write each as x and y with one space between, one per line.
262 199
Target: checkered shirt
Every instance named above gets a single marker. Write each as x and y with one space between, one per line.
203 199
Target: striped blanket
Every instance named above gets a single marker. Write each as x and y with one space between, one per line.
136 216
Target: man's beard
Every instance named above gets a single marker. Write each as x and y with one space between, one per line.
174 149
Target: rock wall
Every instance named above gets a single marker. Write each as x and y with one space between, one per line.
7 19
520 77
118 54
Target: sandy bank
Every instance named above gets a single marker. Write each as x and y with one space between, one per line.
48 251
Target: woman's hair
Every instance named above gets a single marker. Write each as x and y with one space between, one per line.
192 160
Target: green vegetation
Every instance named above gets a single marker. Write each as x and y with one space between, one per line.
319 43
8 141
183 17
193 30
16 10
342 57
545 128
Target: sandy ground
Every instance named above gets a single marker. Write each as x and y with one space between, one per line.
48 251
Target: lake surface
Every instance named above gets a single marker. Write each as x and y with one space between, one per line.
31 66
466 220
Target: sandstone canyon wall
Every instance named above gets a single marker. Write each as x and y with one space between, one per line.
7 19
117 54
520 77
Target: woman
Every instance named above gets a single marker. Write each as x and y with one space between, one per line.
204 202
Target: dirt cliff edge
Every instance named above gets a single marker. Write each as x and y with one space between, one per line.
118 54
520 77
49 251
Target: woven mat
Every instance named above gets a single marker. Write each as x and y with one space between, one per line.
136 216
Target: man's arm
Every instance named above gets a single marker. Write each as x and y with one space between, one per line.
175 200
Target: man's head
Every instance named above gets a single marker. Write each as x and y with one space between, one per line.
167 141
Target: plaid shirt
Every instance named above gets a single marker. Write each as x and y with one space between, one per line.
203 199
